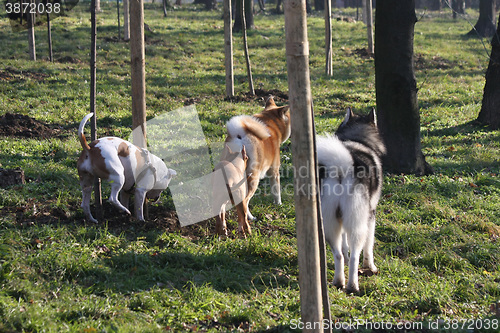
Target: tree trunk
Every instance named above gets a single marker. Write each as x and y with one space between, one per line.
49 36
31 35
249 23
319 5
126 20
490 108
247 56
228 45
93 94
306 213
457 7
485 26
396 89
165 5
328 38
368 15
278 6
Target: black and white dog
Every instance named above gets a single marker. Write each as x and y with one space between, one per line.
351 183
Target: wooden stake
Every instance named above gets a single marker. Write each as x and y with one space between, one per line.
297 55
228 45
328 37
93 122
138 75
369 26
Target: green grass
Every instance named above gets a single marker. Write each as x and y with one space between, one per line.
436 238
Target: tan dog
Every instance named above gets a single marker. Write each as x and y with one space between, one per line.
235 187
261 134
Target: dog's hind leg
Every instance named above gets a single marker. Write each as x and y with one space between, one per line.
87 184
357 229
253 183
220 222
117 182
274 173
368 262
243 226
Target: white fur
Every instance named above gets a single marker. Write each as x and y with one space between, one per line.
355 229
122 172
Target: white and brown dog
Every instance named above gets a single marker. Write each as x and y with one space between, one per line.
232 185
261 134
126 166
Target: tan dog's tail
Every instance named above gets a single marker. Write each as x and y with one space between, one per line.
240 126
81 136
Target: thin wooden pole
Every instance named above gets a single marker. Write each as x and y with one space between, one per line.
49 35
93 122
126 20
245 46
228 46
328 37
369 26
118 16
138 76
31 34
306 213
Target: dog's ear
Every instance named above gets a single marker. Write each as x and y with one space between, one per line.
372 117
282 111
348 115
270 103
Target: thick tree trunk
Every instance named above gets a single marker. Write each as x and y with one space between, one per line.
396 89
249 22
485 26
490 109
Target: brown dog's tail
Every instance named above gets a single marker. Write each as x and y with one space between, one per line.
81 136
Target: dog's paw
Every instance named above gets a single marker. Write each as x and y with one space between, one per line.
250 217
367 271
352 289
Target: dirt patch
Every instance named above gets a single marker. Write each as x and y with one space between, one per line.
12 74
160 219
261 94
18 125
433 62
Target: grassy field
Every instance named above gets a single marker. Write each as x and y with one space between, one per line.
437 245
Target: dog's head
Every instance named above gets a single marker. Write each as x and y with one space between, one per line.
361 128
281 113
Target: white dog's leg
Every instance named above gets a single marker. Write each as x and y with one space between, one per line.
117 182
124 198
355 222
139 198
274 174
86 195
368 262
345 246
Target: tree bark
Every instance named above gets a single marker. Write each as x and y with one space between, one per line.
228 47
126 20
485 26
328 38
368 15
306 213
249 22
396 89
31 35
251 89
490 108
